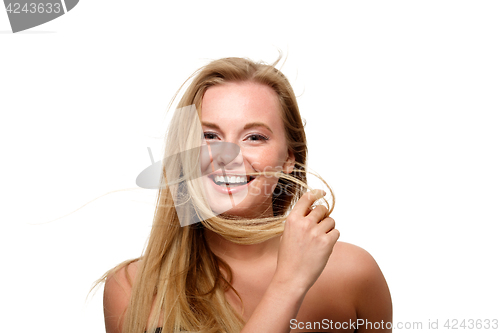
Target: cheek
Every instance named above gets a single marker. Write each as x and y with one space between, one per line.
271 157
263 160
205 160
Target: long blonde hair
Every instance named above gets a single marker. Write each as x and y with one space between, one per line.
178 271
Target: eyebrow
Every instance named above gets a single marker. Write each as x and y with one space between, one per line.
247 126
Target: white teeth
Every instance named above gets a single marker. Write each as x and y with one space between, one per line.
229 180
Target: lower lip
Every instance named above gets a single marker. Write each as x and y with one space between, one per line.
229 189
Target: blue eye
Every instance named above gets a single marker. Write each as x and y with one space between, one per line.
210 136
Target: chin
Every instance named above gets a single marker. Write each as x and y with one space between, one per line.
244 201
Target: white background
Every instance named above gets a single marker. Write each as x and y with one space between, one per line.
401 101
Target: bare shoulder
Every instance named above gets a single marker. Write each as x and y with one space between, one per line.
117 291
353 259
356 265
360 274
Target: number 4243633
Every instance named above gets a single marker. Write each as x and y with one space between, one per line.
15 8
455 324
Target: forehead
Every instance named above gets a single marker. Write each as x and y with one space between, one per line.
247 101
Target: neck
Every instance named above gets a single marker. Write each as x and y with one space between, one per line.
230 251
233 252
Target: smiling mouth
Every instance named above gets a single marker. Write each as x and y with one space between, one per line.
231 180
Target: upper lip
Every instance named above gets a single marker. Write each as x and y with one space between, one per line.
227 174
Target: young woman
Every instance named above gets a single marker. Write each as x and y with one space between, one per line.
256 252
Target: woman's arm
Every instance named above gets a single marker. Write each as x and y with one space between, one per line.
306 245
278 306
117 292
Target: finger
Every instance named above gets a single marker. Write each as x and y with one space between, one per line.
327 225
318 213
303 205
334 234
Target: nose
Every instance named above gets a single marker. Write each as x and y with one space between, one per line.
224 153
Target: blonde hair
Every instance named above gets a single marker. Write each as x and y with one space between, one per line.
178 271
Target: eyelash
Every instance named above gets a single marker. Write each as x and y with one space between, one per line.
208 133
259 136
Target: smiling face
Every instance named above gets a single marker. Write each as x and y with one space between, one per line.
246 114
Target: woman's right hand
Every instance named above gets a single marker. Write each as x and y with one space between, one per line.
306 244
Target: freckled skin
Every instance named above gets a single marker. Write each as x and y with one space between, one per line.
231 106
